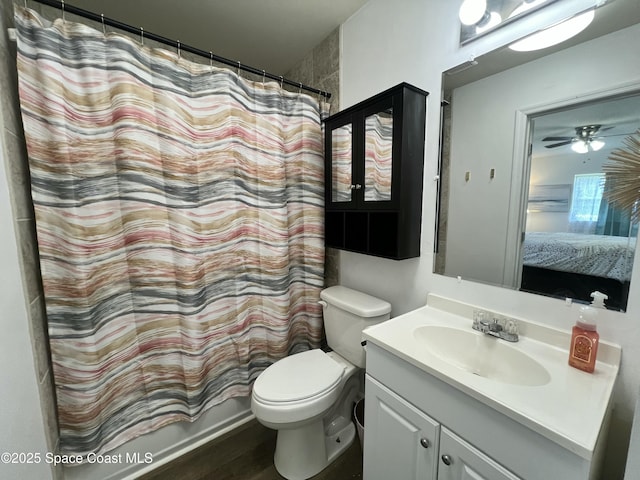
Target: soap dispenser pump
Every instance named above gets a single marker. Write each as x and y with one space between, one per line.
584 335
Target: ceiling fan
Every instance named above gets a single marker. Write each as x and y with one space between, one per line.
584 140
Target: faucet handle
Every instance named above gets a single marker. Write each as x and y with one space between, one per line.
510 333
479 320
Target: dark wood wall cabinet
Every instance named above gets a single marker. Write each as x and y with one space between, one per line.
374 157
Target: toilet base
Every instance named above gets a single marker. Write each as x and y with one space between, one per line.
304 452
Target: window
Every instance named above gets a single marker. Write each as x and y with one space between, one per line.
586 200
586 197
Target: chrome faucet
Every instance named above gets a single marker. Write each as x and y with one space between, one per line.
506 329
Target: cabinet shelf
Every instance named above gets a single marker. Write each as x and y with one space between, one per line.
374 157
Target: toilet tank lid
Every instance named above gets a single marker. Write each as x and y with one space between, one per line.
355 302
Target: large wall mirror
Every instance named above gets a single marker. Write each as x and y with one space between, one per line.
524 139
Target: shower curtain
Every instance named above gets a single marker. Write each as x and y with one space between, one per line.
179 215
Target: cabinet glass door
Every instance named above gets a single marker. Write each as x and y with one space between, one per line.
378 143
341 163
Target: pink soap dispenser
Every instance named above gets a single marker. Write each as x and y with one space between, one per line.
585 337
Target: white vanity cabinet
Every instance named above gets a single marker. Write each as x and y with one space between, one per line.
400 440
416 423
461 461
405 443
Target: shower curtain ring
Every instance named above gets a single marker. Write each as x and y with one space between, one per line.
300 89
210 61
281 80
239 65
141 36
104 30
63 16
263 75
179 53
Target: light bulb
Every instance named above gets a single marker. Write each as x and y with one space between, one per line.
493 20
472 11
596 145
555 34
526 5
579 147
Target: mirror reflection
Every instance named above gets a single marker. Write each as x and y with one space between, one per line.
341 148
576 241
513 178
378 155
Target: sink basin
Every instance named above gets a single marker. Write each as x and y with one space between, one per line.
482 355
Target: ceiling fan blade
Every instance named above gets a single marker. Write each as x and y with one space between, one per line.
614 135
554 145
555 139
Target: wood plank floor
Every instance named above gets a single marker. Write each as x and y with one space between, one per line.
247 454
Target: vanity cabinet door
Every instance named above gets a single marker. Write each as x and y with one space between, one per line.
400 442
461 461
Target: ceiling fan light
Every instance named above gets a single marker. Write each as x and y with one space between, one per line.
579 147
596 145
555 34
472 11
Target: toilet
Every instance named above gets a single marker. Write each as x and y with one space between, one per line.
308 397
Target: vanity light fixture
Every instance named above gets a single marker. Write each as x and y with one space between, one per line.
526 5
555 34
472 11
489 20
479 17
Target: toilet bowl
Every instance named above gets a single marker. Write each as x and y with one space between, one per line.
308 438
308 397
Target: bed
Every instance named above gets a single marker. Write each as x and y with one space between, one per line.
574 265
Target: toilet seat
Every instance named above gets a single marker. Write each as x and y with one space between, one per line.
298 388
298 378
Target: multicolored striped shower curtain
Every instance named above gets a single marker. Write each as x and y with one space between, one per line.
179 213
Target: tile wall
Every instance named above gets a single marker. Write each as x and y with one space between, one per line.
320 68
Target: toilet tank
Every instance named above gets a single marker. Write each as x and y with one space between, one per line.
346 313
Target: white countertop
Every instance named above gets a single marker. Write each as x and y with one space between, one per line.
568 410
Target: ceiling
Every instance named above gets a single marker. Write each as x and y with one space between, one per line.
619 118
272 35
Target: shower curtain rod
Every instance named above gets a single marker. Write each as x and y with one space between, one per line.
65 7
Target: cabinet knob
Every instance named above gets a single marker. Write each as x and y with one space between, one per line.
358 186
424 442
447 460
352 187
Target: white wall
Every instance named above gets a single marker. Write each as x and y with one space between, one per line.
21 423
414 41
